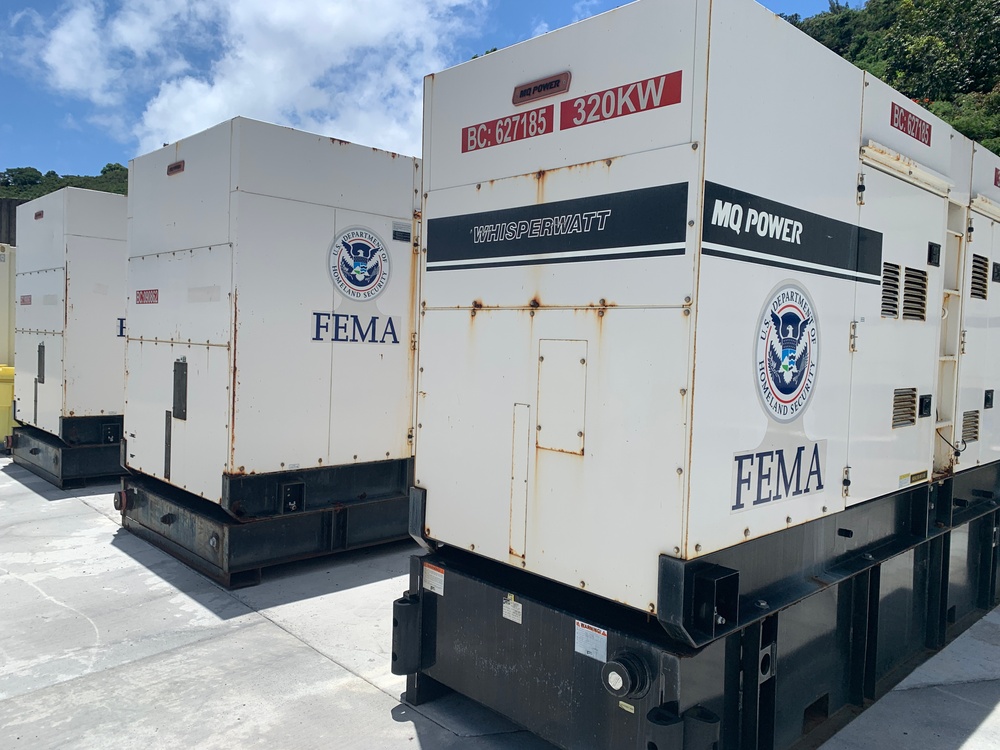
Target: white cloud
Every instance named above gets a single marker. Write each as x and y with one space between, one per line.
540 28
584 9
155 71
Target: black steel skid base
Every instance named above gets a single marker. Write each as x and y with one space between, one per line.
234 551
752 648
88 449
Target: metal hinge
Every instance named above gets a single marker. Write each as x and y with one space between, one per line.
961 345
847 481
413 341
854 336
861 189
409 435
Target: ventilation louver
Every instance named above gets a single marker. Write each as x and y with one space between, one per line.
890 290
970 426
980 276
914 294
904 407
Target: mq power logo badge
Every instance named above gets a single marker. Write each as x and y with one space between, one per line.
787 352
359 264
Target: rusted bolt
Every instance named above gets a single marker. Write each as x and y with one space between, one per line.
427 530
746 532
583 361
532 313
600 313
607 162
538 427
687 300
583 584
677 550
473 313
694 146
534 303
603 302
652 607
788 519
472 546
687 311
579 434
684 391
697 548
541 358
478 185
824 509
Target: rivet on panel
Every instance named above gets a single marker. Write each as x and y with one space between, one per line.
600 313
691 223
746 532
677 550
583 584
687 311
583 361
687 300
697 548
788 519
679 471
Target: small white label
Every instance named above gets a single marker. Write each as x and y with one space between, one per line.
591 641
512 609
626 707
904 480
434 579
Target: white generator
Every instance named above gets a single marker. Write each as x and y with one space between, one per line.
272 316
8 290
69 339
705 382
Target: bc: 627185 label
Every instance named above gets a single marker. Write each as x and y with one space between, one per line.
516 127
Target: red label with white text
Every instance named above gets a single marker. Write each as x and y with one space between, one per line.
996 177
910 124
147 297
516 127
25 299
630 99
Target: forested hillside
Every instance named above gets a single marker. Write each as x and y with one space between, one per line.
944 54
29 183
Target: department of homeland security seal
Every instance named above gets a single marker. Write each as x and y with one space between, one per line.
359 264
786 352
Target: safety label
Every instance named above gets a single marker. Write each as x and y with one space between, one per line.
512 609
434 579
591 641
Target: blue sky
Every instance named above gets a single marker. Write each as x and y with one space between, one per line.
87 82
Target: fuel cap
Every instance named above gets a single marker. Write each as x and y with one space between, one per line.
624 676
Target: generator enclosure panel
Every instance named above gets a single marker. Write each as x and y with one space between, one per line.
683 336
271 293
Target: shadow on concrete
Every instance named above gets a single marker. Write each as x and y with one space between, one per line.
48 491
454 722
280 584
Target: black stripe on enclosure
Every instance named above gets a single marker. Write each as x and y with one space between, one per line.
774 263
505 263
808 237
634 218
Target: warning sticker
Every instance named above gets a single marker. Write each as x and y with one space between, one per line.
591 641
512 609
434 579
